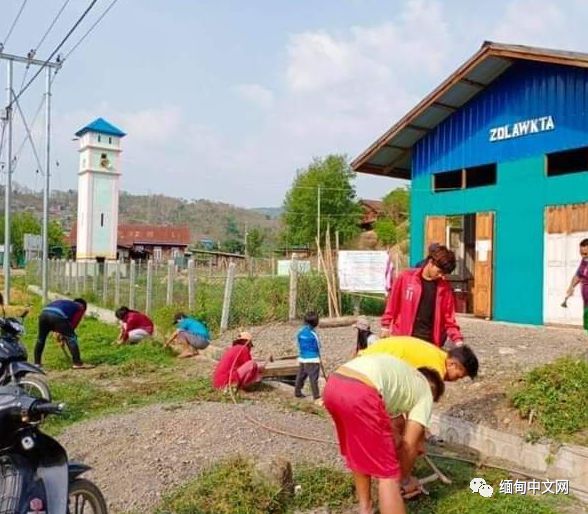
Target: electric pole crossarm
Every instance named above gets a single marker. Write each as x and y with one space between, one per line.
26 60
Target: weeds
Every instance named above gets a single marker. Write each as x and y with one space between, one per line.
557 395
234 487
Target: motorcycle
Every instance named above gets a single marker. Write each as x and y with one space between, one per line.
14 368
36 475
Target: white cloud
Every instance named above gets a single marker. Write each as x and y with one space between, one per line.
531 22
256 94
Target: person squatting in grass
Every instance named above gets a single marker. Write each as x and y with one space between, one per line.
362 396
62 317
581 277
135 326
309 356
191 333
421 303
237 367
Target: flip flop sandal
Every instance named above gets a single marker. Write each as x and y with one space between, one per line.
83 366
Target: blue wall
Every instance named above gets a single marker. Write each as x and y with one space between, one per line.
525 91
523 190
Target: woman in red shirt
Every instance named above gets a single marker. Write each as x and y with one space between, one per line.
136 326
236 366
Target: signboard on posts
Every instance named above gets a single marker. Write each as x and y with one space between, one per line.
362 271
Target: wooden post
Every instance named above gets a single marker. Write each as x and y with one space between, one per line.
69 270
105 284
117 284
191 285
293 289
227 298
169 299
149 292
210 266
132 275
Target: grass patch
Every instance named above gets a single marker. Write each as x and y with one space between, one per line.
234 487
557 395
127 376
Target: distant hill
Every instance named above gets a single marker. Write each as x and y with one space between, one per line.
273 212
206 219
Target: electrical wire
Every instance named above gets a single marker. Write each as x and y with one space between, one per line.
57 48
55 18
90 29
22 6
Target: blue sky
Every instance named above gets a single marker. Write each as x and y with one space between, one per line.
225 100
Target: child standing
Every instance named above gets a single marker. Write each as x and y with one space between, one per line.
309 356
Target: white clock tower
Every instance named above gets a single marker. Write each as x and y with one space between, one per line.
98 188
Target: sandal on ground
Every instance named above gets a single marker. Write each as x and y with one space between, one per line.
83 366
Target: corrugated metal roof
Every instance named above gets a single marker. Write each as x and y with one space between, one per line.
101 126
130 234
390 154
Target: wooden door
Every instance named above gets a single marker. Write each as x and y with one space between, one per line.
483 264
435 232
565 227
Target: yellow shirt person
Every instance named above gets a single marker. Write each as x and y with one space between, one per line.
453 365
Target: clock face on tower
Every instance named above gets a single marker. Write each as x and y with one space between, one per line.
105 161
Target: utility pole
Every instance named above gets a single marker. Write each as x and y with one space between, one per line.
11 98
318 226
8 186
45 266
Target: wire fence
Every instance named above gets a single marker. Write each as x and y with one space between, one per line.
224 295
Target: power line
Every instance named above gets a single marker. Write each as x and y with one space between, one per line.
57 48
52 24
3 44
91 29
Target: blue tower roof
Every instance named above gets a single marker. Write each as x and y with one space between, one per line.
101 126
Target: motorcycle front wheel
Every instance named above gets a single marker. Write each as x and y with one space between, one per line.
85 498
34 385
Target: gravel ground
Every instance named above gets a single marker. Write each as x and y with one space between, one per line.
140 455
504 350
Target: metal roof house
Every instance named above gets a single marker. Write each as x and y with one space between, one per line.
497 156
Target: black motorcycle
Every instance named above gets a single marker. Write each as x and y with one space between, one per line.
14 368
35 473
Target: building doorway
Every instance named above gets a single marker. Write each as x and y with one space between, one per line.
471 237
565 227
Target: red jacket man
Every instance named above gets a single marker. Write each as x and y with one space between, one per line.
421 302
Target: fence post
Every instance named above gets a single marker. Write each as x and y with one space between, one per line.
85 277
227 298
69 270
169 298
105 284
77 278
95 270
149 292
191 284
117 284
293 289
132 274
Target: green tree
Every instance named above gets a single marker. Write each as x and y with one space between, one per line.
22 223
386 231
56 239
338 207
397 204
392 226
255 241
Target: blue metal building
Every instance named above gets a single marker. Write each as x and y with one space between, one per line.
497 156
